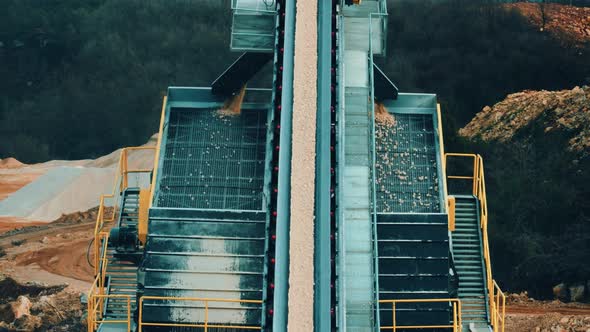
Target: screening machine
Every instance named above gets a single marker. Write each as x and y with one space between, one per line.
200 241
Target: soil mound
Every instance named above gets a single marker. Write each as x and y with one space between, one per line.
567 111
10 163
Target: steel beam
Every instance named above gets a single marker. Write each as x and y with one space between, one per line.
322 264
284 186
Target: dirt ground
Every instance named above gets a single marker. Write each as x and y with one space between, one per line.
51 254
10 223
524 314
46 264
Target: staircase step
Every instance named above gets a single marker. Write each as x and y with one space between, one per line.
469 277
464 293
464 245
475 250
461 236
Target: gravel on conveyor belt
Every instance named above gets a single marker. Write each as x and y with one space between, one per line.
301 271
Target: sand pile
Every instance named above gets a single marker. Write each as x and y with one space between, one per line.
60 190
10 163
136 159
45 191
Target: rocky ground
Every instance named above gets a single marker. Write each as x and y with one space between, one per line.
39 307
567 111
45 273
525 314
570 24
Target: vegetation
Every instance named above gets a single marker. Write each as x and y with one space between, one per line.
82 78
472 54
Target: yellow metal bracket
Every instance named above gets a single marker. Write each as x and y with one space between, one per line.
144 205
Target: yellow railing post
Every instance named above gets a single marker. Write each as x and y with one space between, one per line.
124 170
158 147
142 221
451 211
475 180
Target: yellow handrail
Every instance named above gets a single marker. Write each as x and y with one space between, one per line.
479 191
456 325
206 325
158 147
499 312
120 184
97 295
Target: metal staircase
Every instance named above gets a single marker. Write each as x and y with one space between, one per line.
129 209
121 269
121 280
468 258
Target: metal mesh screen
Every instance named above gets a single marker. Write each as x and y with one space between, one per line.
406 165
213 161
